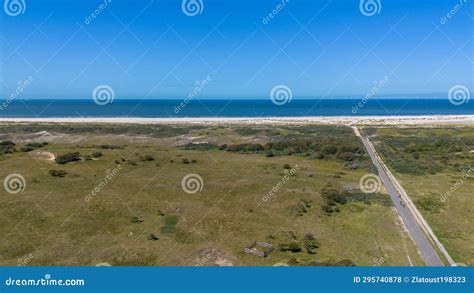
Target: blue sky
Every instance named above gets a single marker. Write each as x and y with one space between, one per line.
151 49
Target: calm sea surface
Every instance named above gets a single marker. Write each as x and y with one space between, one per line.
231 108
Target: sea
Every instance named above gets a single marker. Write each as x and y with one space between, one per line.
175 108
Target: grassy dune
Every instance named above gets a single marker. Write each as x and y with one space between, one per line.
433 166
142 216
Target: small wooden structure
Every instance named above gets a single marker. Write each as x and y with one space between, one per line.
257 248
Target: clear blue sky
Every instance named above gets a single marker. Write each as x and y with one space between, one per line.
151 49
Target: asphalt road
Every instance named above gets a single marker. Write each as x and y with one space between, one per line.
407 215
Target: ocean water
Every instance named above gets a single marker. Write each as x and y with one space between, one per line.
230 108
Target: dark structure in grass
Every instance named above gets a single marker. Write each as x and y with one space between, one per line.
264 251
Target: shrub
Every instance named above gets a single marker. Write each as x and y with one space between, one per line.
329 149
310 243
146 158
185 161
69 157
97 155
245 147
286 166
346 156
6 147
32 146
153 237
57 173
293 247
135 220
200 146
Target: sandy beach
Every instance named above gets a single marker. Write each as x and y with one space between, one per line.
332 120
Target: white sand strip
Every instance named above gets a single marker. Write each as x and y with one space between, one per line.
336 120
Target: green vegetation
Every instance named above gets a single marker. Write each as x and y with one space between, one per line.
140 214
170 222
435 166
33 146
7 147
57 173
69 157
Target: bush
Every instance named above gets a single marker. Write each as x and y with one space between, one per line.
146 158
329 149
135 220
6 147
245 147
57 173
32 146
153 237
310 243
286 166
185 161
200 146
346 156
97 155
293 247
69 157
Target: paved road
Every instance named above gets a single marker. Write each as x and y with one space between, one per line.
407 214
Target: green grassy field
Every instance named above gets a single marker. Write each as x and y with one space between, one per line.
435 166
139 213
